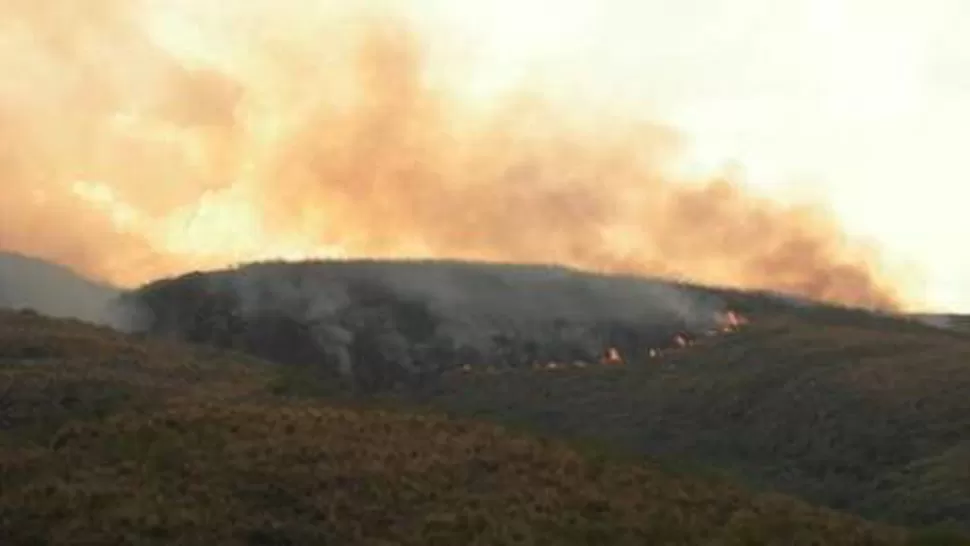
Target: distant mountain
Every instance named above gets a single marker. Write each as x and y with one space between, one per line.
54 290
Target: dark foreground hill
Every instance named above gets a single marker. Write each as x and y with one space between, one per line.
871 416
109 439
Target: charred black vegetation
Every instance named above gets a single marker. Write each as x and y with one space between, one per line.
386 323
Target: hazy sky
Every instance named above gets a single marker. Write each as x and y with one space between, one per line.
867 101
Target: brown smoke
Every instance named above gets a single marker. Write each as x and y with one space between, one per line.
114 144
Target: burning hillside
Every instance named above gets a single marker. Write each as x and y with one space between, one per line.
384 322
724 323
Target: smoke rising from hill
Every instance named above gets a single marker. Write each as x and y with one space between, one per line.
135 152
378 322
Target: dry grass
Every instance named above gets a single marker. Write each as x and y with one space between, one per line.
111 439
870 415
254 474
53 371
191 446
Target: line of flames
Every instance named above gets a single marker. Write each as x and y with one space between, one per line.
728 323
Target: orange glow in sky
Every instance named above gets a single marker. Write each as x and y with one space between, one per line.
862 104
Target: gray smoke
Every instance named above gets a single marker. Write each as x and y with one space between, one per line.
56 291
943 321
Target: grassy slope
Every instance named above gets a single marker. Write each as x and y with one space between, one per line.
110 440
53 371
866 414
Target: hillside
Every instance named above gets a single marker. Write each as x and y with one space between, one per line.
114 439
382 322
49 288
53 371
379 323
869 415
852 409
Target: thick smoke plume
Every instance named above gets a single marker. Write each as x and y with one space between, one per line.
135 147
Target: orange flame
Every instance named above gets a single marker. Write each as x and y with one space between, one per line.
612 357
732 321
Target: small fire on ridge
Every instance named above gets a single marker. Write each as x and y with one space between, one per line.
728 322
